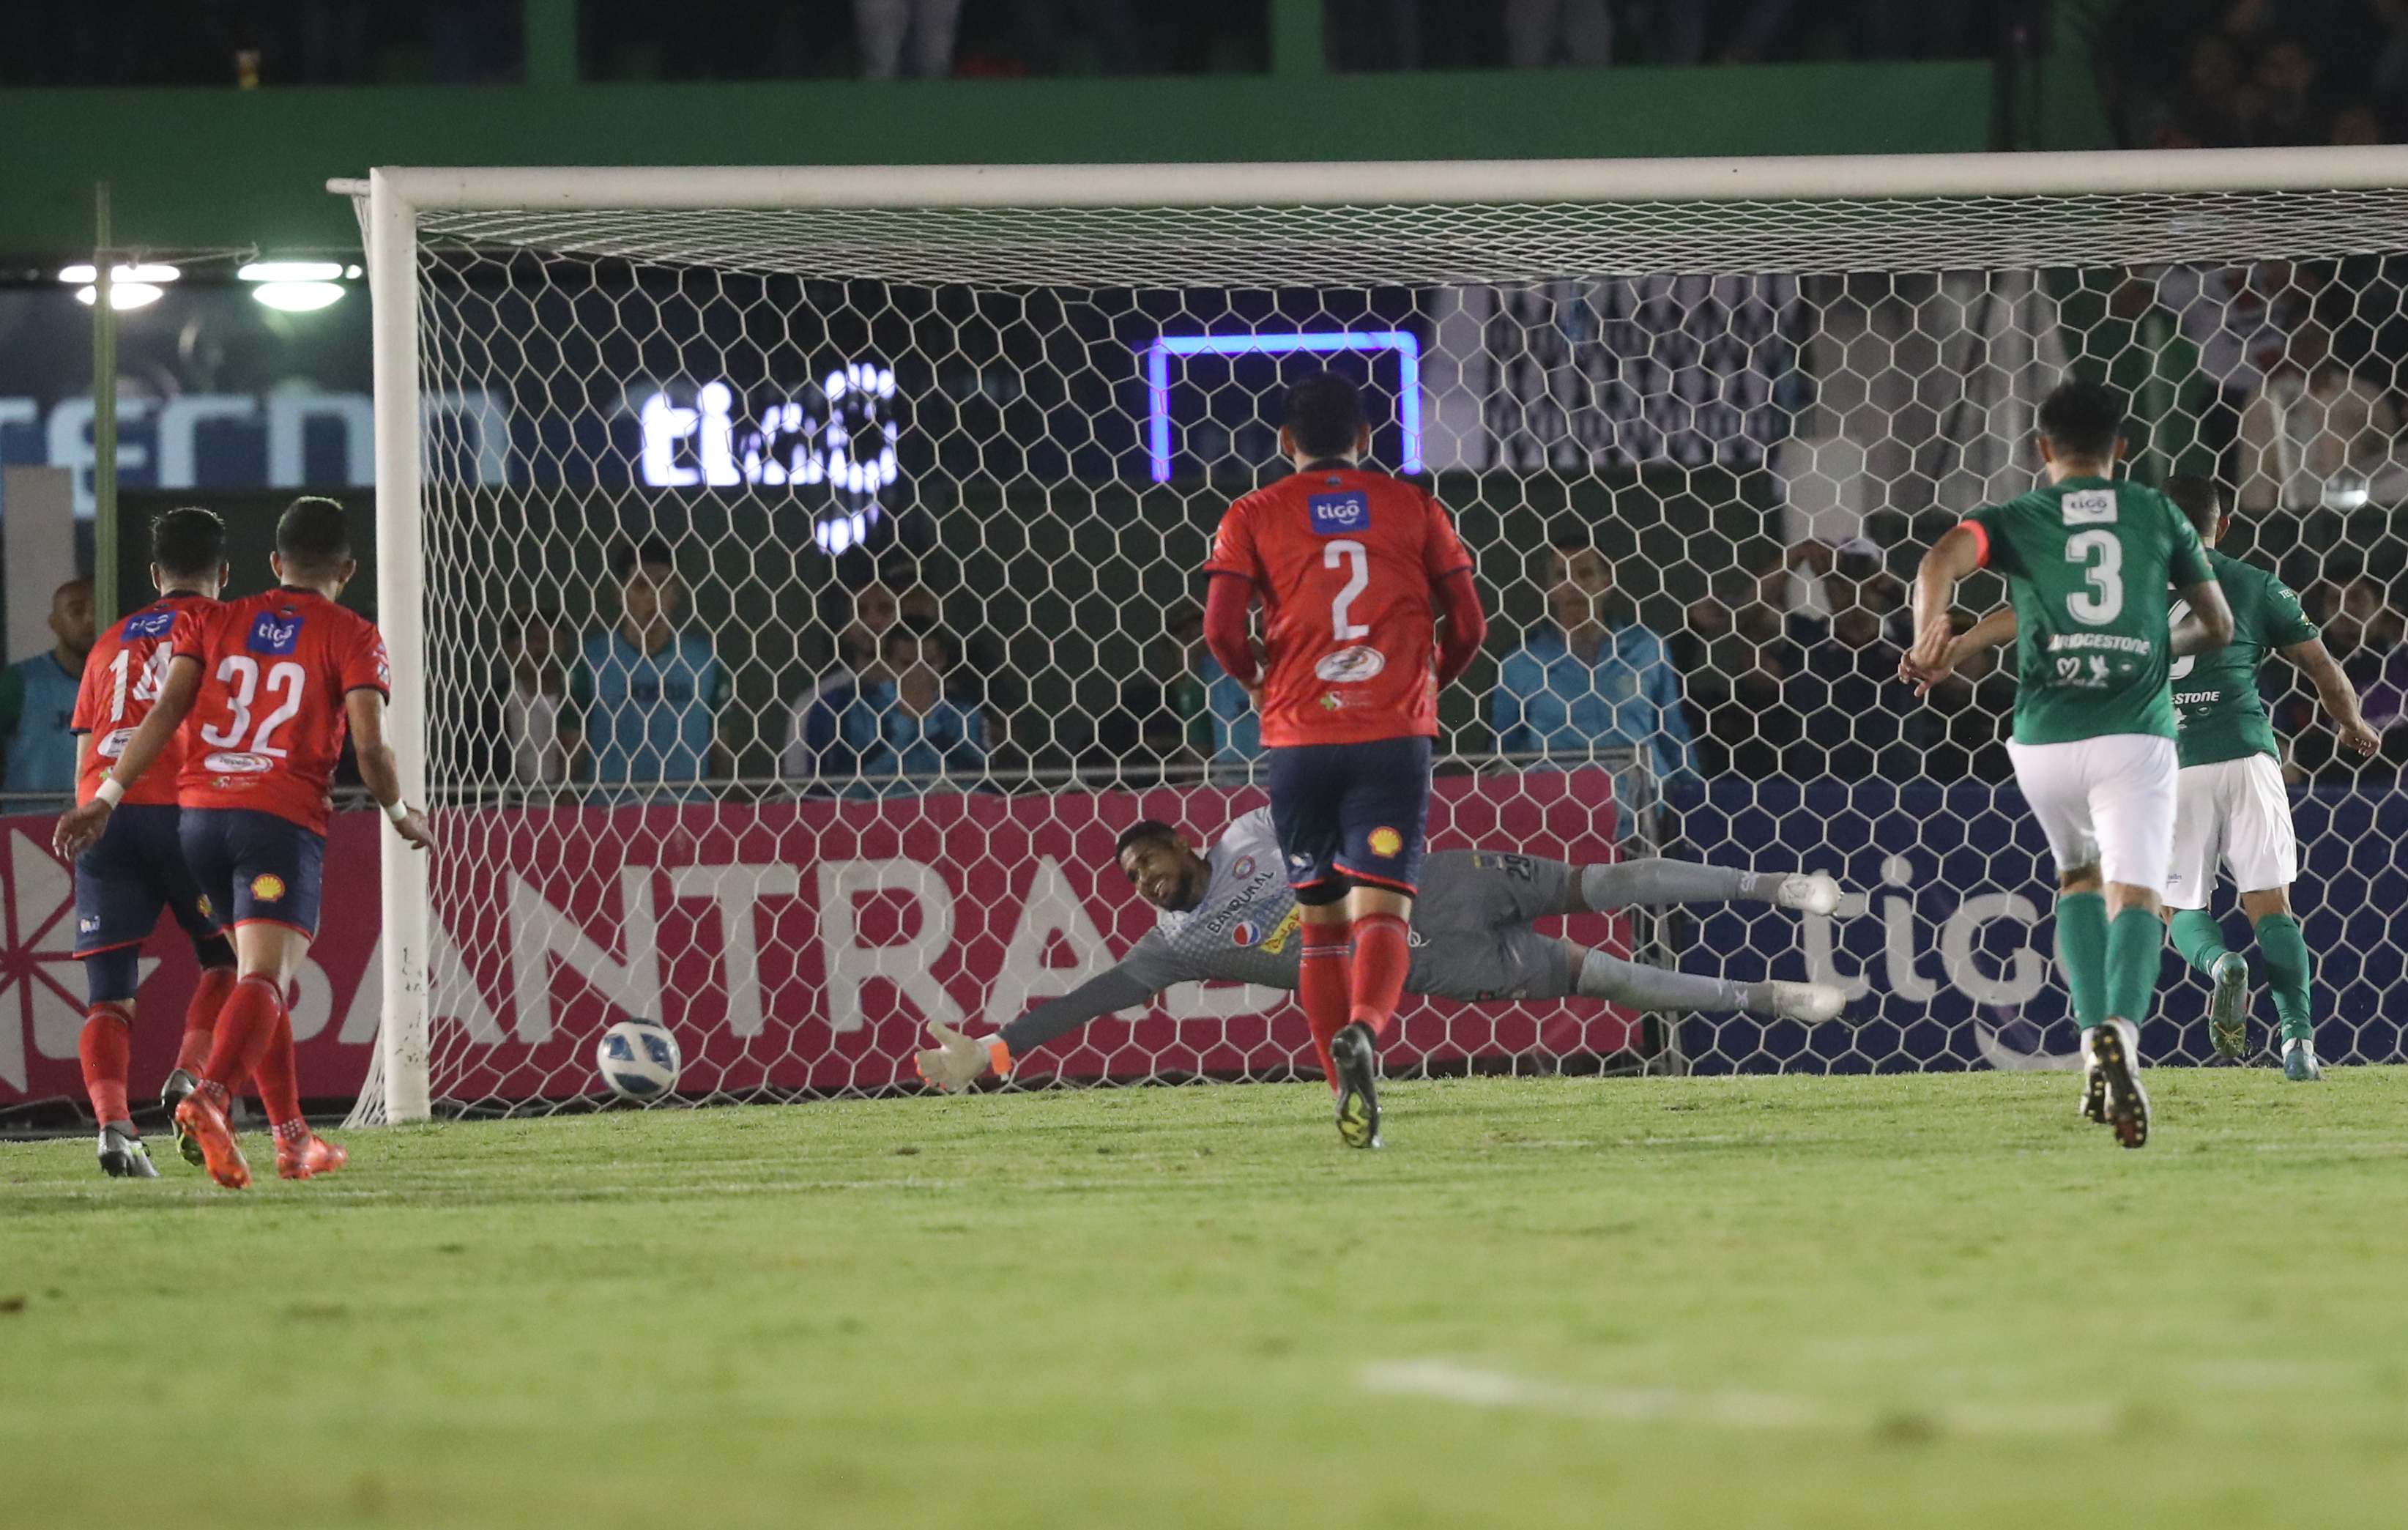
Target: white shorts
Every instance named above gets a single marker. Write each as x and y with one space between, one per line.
2107 802
2237 809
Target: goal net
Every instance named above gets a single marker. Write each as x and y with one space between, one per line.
797 579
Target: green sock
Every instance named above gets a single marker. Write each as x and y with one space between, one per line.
2135 942
2082 954
2286 972
2199 938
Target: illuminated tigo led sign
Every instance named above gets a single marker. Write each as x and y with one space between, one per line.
1157 377
847 441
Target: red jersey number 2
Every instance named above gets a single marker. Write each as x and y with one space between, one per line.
240 674
1348 551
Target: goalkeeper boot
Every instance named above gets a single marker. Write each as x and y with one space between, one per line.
1357 1056
1809 891
180 1083
202 1116
2227 1008
2114 1049
303 1154
2299 1062
122 1156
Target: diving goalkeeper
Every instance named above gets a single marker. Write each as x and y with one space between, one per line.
1227 916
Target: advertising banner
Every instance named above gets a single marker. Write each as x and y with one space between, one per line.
788 946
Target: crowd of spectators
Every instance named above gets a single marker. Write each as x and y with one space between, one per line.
285 42
2234 74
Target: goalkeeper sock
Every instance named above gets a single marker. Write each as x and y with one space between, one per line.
2200 938
106 1050
1376 975
2135 942
1657 879
279 1088
1640 986
201 1018
245 1027
2082 954
2287 972
1321 987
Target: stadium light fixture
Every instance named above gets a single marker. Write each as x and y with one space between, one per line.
297 296
1157 377
291 271
123 295
84 275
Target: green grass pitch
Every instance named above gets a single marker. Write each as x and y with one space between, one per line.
1736 1303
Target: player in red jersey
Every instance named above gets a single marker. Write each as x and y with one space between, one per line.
1348 564
137 866
271 684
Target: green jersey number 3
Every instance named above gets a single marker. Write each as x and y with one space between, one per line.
2103 558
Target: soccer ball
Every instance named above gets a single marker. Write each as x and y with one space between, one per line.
639 1059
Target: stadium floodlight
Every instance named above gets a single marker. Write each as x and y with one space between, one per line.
1686 354
123 295
153 273
1157 377
291 271
299 297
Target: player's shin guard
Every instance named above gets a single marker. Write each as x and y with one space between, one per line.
2135 941
245 1027
1376 974
2082 954
1323 988
2288 970
107 1047
210 994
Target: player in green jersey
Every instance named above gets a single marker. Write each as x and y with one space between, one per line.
2229 802
2087 560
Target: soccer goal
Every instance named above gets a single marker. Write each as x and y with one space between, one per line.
790 576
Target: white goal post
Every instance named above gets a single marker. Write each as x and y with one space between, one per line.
1503 222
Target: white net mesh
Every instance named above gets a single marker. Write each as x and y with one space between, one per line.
933 489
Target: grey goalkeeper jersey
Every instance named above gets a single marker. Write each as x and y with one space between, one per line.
1470 933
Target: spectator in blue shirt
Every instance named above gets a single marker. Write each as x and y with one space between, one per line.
644 698
815 754
911 730
37 697
1582 685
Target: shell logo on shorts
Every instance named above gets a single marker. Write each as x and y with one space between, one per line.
207 912
266 887
1387 842
1350 665
1245 933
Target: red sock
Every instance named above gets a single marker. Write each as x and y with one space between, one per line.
1376 978
1321 987
279 1091
245 1027
106 1050
201 1018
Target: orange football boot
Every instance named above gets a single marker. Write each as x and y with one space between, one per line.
202 1116
308 1158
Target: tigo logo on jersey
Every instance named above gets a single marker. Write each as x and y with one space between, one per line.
1334 515
1245 933
148 624
269 635
266 887
1387 842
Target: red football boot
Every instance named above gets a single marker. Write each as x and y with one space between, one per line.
202 1116
308 1158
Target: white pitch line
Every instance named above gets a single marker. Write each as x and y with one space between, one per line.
1447 1381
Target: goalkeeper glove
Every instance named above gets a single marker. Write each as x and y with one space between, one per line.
957 1061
